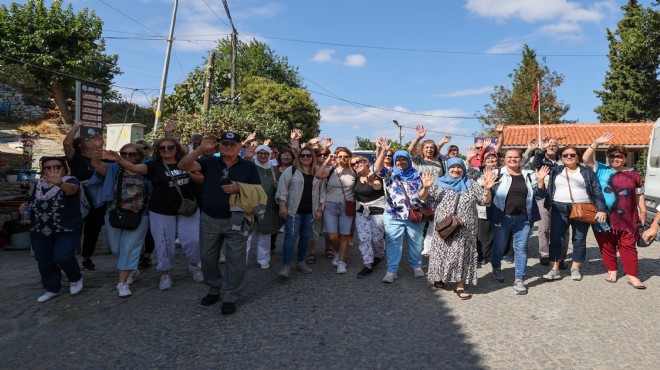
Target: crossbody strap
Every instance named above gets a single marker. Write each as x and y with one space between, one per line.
341 186
570 193
405 193
167 169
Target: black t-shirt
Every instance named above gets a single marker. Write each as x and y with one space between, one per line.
365 193
516 200
305 205
165 199
80 166
216 201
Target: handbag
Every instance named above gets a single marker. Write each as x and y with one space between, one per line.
349 209
188 207
448 225
121 218
417 214
583 212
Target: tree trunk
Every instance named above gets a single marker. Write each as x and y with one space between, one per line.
60 101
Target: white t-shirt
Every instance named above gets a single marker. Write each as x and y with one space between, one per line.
578 187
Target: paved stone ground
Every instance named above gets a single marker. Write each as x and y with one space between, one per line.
325 320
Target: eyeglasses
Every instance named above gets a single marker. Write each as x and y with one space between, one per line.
263 153
388 156
305 156
356 163
128 154
616 156
569 155
55 166
163 148
322 154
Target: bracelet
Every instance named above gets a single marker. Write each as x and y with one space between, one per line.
60 184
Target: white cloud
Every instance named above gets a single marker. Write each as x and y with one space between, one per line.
466 92
535 11
355 60
560 28
323 56
506 46
269 10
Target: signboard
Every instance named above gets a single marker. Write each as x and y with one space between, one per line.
89 108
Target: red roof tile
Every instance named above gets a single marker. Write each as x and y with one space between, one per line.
580 134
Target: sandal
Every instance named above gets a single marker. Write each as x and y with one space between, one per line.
462 294
637 284
311 259
438 285
329 254
611 277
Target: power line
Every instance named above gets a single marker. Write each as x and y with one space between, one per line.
134 20
216 14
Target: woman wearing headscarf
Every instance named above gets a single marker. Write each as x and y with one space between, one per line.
270 223
56 226
402 183
454 259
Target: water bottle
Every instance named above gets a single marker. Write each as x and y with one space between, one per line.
25 216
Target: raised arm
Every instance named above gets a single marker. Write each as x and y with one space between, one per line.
499 129
189 162
322 172
444 141
421 132
100 166
296 135
384 148
140 168
69 151
588 156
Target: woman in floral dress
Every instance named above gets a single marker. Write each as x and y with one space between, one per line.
455 259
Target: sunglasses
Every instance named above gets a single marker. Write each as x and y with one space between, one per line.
55 166
388 156
356 163
163 148
305 156
343 156
616 156
322 154
569 155
128 154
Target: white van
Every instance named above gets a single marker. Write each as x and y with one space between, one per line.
652 179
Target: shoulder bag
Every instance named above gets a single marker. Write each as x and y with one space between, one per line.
448 225
188 207
121 218
416 214
583 212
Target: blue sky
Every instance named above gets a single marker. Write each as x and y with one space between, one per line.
424 62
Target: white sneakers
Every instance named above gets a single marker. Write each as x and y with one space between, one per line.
46 297
165 282
76 286
196 273
341 267
123 290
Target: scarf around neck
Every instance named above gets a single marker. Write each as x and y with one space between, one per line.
459 185
45 190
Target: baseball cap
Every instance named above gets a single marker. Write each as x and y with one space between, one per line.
231 136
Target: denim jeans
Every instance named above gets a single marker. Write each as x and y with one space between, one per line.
53 254
560 223
519 226
394 230
297 228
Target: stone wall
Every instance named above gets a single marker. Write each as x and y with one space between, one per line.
19 109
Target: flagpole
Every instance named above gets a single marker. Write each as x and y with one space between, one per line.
538 88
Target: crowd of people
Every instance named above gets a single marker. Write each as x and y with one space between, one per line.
219 195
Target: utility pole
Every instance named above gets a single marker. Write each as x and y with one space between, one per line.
234 46
163 82
233 64
210 66
400 134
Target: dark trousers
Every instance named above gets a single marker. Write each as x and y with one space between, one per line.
484 239
55 253
149 244
92 227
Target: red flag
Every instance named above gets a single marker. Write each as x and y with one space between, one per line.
535 104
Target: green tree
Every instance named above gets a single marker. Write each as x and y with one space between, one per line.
366 144
253 59
121 111
293 105
56 47
513 105
631 91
